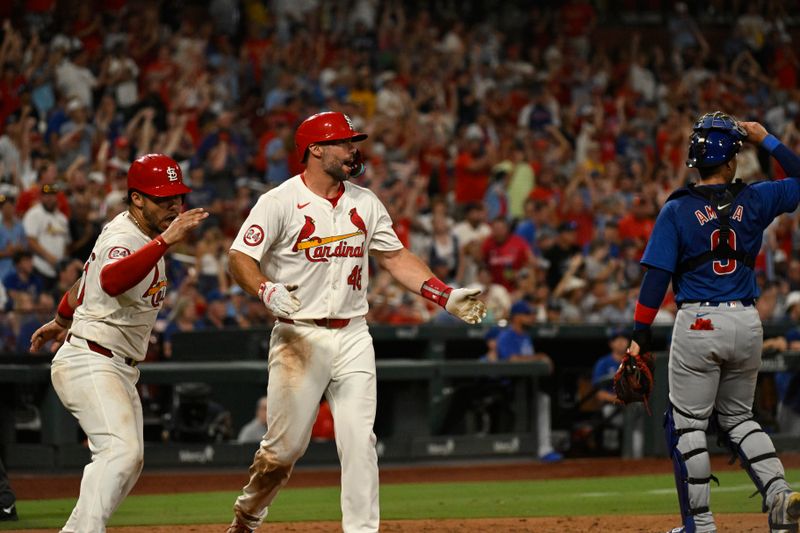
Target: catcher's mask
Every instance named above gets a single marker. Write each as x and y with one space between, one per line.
716 139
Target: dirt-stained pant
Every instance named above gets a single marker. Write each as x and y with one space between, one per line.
305 362
101 393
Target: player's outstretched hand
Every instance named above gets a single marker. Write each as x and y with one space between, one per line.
183 224
50 331
278 298
755 132
464 304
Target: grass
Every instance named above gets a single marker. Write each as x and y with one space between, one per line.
586 496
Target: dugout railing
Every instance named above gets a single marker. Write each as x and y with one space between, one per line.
418 368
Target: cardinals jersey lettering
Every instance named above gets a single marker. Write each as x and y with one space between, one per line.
688 226
120 323
301 239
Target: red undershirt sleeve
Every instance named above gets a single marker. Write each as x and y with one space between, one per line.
121 275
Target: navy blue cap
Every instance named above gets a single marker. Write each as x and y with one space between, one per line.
493 333
793 335
214 295
521 307
619 332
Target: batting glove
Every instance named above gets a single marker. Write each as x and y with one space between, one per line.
464 304
278 298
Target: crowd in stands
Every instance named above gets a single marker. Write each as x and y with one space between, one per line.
524 151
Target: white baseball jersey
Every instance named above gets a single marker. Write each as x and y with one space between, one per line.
120 323
301 239
51 230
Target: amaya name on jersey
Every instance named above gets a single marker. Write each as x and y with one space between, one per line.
710 214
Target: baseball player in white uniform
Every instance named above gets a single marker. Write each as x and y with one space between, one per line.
303 251
105 320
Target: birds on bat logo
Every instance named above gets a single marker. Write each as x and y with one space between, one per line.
318 249
157 290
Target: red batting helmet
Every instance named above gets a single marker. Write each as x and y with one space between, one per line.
156 175
327 126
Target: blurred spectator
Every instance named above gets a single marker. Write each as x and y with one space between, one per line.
47 174
445 250
43 311
474 226
12 235
561 253
69 271
255 430
514 344
787 384
121 72
472 168
505 253
277 153
603 383
535 219
185 319
521 181
684 33
211 261
637 225
48 235
23 279
497 198
76 136
83 231
216 316
495 296
73 77
11 146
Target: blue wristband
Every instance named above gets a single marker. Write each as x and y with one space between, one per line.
770 142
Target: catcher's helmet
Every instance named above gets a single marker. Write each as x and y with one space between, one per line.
716 139
156 175
327 126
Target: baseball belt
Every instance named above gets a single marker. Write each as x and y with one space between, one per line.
330 323
102 350
744 302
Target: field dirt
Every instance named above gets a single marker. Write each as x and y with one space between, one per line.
38 486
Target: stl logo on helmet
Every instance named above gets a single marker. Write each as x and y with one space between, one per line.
157 290
254 235
172 174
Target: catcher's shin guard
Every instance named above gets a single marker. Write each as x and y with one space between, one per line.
686 442
756 454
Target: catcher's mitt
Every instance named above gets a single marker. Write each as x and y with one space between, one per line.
633 381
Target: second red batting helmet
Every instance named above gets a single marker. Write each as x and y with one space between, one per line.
327 126
157 175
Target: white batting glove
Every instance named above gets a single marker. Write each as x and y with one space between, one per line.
278 298
464 304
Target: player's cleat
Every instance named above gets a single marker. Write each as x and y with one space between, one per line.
785 512
682 529
236 527
8 514
552 457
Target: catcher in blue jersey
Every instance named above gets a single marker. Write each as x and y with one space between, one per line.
705 241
